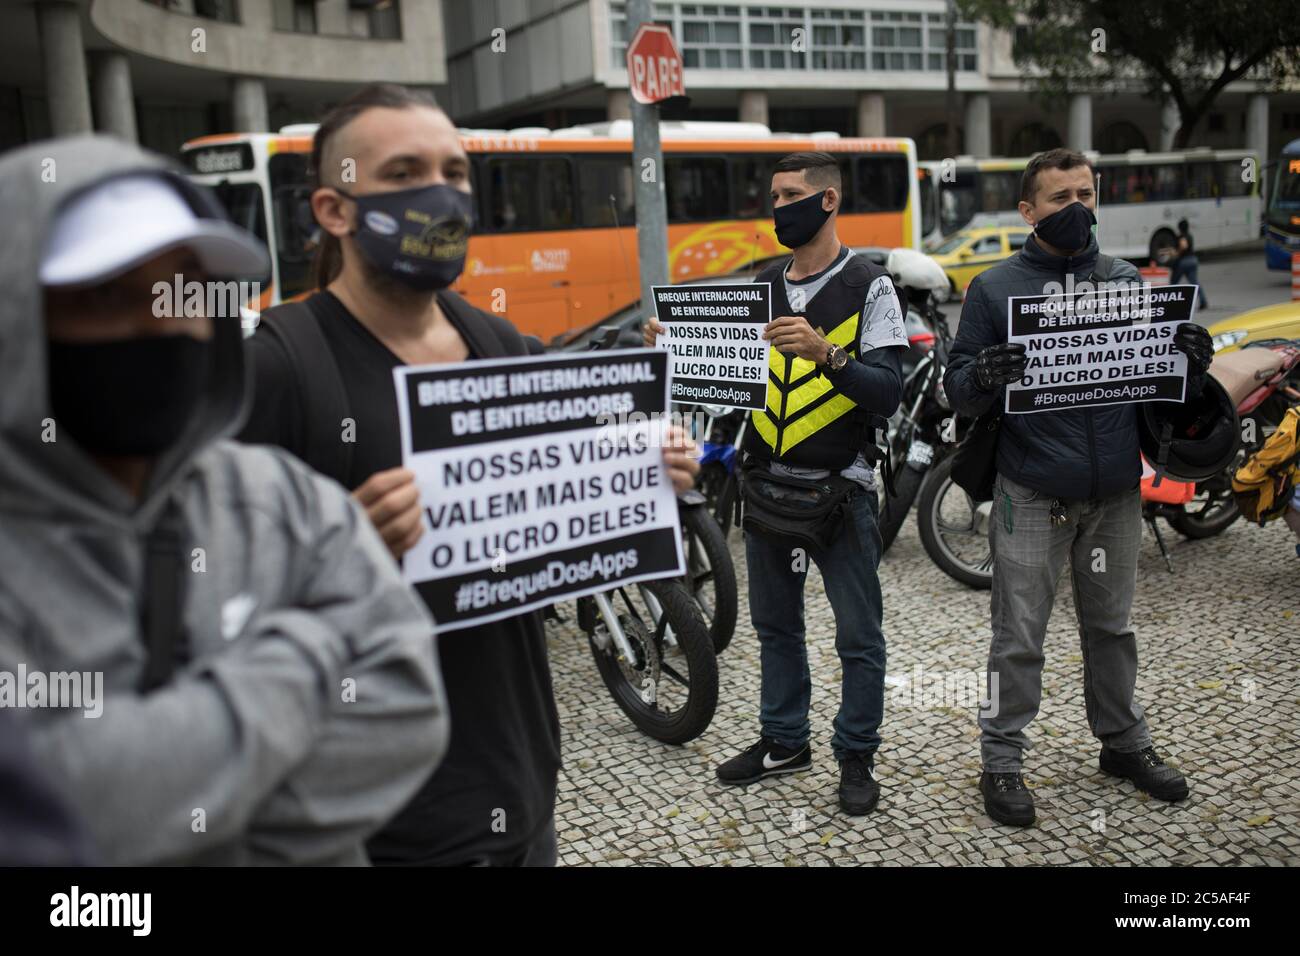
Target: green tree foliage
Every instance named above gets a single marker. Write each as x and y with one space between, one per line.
1186 50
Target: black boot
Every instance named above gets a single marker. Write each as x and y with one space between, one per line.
1147 772
1007 799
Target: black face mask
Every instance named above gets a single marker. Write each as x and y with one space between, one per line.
1067 229
127 396
798 222
417 236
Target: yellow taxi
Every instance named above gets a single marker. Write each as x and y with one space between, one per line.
1281 321
968 252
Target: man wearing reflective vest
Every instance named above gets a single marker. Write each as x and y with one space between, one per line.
835 363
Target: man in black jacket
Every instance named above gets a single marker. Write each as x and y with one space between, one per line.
1067 486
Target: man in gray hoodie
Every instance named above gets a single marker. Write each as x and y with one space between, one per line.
256 683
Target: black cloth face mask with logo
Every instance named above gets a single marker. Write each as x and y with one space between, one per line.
798 222
418 236
1067 229
127 397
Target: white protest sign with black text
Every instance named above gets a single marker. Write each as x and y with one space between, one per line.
540 479
1103 346
715 336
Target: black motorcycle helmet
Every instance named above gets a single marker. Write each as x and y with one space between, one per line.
1192 440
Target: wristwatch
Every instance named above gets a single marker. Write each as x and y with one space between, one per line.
836 358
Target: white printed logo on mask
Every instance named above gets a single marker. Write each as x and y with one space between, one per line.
381 222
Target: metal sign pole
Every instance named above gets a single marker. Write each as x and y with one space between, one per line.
648 168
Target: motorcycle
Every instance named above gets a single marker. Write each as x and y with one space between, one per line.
719 459
653 642
924 429
710 571
1263 379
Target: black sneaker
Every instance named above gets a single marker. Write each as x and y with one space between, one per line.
859 792
1147 772
1007 799
766 758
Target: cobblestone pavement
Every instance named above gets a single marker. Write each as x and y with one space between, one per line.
1219 681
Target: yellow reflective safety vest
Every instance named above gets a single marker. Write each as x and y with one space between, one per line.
808 422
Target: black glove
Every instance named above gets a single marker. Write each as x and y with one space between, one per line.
1194 342
999 365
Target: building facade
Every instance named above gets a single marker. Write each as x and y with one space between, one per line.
858 67
163 71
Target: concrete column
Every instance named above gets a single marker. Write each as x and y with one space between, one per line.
871 114
1080 133
979 141
1257 125
753 106
1169 123
65 68
114 99
248 105
618 105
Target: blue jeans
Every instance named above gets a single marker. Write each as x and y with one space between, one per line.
777 570
1187 267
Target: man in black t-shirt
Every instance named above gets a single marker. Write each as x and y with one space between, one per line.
393 183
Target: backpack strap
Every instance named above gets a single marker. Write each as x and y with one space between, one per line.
324 400
488 335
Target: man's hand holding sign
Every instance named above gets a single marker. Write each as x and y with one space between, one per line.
715 335
792 334
1099 346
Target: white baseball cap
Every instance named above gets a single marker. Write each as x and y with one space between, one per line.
124 222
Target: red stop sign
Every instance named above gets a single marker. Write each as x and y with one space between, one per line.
654 65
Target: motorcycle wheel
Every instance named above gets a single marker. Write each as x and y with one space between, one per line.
954 528
1214 508
894 508
1204 519
674 640
710 574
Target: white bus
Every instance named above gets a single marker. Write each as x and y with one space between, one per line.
1141 197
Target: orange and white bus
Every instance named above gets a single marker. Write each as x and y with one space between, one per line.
555 217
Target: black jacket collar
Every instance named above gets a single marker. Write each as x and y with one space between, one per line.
1036 257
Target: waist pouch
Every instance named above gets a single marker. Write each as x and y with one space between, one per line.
811 512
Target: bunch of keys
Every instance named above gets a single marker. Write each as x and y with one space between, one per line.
1059 515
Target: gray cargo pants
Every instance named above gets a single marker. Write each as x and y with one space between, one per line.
1101 540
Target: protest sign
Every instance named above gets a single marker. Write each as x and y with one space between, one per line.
539 478
715 336
1107 345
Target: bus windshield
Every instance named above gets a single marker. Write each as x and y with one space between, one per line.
1286 187
243 203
